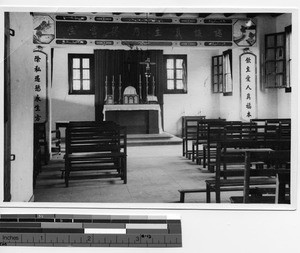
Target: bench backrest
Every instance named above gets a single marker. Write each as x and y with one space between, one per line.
95 137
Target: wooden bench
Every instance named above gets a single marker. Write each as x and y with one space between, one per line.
233 153
92 146
189 129
229 179
277 165
201 139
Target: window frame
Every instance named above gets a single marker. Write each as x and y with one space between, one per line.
267 61
218 73
288 56
175 90
71 57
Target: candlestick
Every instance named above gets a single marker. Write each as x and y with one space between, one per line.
120 89
113 87
105 88
153 86
140 89
147 85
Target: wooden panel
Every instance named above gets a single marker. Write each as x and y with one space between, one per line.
134 31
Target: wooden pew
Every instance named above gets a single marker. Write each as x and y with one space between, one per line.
250 132
92 146
201 139
189 129
276 164
233 153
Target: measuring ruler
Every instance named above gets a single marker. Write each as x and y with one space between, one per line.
90 230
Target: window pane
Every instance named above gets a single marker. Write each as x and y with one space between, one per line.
279 80
178 74
221 79
216 70
179 63
215 87
170 74
280 40
279 53
270 80
270 54
76 84
270 67
76 63
85 62
270 41
76 74
86 84
215 79
85 74
170 85
220 87
179 84
215 60
279 68
220 69
170 63
221 60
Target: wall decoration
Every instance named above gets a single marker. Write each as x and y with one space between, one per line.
40 86
248 82
244 32
143 31
43 29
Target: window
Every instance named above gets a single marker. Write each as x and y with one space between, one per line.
227 66
288 35
275 60
217 74
81 74
176 81
221 73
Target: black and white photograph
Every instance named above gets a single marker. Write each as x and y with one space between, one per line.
148 107
162 126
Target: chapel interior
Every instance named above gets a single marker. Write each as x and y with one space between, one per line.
148 107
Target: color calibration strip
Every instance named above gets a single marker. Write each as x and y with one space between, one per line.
90 230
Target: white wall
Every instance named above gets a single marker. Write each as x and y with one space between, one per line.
21 106
199 99
64 106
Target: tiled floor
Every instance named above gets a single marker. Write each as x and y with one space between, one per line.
155 174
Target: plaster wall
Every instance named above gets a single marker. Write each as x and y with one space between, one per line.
21 107
65 107
199 99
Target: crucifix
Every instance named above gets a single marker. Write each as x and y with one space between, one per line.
147 62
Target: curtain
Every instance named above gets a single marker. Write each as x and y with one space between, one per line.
125 65
227 66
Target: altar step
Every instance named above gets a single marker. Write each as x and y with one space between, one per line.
152 139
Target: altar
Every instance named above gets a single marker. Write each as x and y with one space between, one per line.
138 118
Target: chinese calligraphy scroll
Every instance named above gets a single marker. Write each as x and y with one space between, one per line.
248 85
40 86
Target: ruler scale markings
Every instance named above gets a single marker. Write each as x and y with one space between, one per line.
91 230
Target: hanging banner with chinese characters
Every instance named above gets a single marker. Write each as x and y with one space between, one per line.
248 85
40 86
